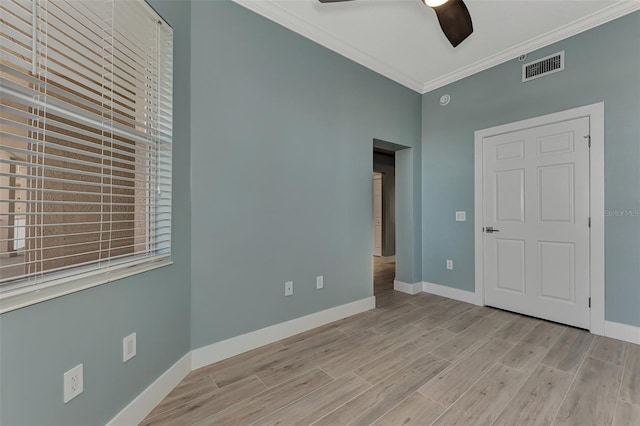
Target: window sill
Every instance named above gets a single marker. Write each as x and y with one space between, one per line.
30 295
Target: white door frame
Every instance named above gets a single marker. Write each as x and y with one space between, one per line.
595 112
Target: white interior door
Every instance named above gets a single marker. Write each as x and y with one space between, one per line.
377 214
536 198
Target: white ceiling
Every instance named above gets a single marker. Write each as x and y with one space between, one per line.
402 40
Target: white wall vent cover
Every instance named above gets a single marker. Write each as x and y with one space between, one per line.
545 66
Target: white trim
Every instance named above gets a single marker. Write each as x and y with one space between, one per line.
275 12
403 287
236 345
600 17
142 405
451 293
616 330
388 259
595 112
30 295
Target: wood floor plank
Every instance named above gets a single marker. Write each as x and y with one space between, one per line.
447 386
416 410
373 403
537 401
190 388
544 334
391 325
630 390
268 401
345 359
208 404
383 275
484 401
246 358
395 360
627 414
318 403
276 366
591 400
608 349
528 353
391 298
451 302
515 331
283 369
422 299
357 323
525 356
442 315
458 346
466 319
567 353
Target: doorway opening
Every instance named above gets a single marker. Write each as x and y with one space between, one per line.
384 221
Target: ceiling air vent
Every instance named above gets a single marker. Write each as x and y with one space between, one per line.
545 66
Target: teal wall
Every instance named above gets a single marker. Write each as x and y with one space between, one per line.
282 138
39 343
602 64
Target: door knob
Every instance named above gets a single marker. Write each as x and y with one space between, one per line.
490 230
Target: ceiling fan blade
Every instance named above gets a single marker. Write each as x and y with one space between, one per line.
332 1
455 21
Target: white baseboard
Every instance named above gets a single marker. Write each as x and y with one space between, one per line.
451 293
388 259
246 342
414 288
616 330
142 405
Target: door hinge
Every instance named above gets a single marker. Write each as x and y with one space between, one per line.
589 302
588 138
589 221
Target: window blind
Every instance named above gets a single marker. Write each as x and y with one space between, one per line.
86 135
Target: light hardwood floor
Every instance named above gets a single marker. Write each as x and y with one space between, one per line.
418 360
383 276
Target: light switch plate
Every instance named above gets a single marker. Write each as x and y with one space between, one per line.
288 288
319 282
449 264
461 216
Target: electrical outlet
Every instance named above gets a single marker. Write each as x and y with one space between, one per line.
128 347
288 288
461 216
319 282
449 264
73 383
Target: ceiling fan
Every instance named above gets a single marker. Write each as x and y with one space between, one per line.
453 17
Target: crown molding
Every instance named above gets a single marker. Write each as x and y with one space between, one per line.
603 16
276 13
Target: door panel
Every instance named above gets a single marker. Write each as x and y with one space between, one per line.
536 195
509 192
555 270
555 193
511 265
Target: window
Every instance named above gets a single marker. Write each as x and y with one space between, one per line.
85 150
